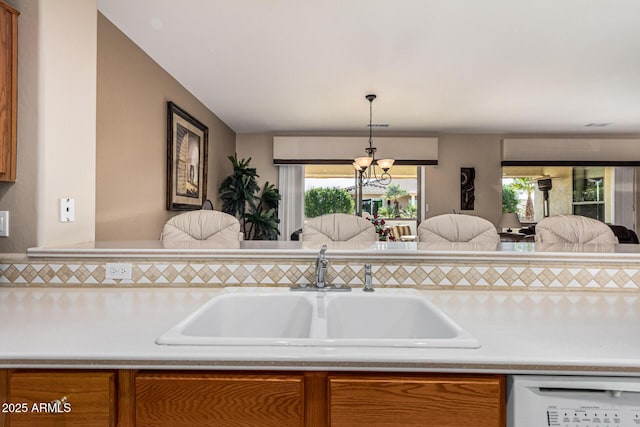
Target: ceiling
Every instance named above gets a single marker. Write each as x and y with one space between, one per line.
543 66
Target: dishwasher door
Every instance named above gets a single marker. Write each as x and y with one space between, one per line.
572 401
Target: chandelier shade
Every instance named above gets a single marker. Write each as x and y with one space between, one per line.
363 162
385 164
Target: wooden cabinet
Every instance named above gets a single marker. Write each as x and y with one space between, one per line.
416 400
59 398
8 91
129 398
219 399
317 399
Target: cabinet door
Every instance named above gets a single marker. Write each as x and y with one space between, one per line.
416 400
89 398
219 399
8 91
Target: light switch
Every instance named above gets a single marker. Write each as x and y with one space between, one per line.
67 209
4 223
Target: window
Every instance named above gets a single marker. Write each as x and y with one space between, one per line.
331 188
518 196
600 192
589 195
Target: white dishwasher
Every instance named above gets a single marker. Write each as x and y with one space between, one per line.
572 401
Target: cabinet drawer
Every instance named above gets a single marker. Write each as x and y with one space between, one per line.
90 398
198 399
415 400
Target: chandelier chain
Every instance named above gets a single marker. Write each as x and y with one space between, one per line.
366 170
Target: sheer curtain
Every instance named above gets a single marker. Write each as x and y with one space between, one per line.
291 210
624 199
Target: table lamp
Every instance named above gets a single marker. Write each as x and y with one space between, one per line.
509 220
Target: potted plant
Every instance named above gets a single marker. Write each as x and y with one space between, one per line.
383 232
255 208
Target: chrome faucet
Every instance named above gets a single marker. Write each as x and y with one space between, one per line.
322 265
368 279
321 273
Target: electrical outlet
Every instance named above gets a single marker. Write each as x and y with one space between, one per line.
119 270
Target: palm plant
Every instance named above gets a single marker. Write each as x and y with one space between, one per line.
526 185
393 193
263 217
257 213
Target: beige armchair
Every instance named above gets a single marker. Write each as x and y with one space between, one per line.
457 228
574 229
202 225
338 228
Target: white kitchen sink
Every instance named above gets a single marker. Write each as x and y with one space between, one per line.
275 316
401 319
244 318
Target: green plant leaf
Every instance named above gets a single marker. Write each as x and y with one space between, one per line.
257 212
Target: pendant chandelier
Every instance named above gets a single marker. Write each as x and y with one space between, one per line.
365 166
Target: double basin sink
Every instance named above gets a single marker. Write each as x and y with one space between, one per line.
279 317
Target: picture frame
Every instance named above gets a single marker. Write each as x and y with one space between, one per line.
467 189
187 143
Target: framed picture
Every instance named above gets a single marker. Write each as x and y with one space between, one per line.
467 189
187 141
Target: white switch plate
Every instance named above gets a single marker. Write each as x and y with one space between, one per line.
118 270
4 223
67 209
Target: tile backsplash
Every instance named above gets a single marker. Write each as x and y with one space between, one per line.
424 273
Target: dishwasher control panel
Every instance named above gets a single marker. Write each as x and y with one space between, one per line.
566 401
591 416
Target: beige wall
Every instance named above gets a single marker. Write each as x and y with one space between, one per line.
56 124
260 148
67 102
133 92
482 152
20 197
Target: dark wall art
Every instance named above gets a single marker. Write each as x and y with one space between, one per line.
467 188
187 141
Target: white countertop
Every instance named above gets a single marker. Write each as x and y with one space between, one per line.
520 332
513 251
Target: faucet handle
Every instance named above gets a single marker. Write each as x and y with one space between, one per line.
368 278
321 273
320 256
